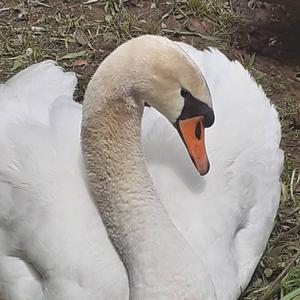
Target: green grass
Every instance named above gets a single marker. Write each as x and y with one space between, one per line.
218 13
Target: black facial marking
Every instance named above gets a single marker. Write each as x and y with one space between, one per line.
198 131
146 104
195 108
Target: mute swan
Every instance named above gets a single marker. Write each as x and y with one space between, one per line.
53 244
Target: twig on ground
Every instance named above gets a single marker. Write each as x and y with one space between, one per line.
285 233
293 211
90 2
190 33
40 3
5 9
166 15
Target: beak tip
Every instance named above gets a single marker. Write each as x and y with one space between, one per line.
202 168
203 171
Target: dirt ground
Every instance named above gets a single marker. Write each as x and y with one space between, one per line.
263 35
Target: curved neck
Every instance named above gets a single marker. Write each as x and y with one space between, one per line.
159 262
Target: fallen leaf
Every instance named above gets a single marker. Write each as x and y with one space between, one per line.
80 62
197 25
81 37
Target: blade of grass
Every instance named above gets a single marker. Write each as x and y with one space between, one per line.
73 55
292 295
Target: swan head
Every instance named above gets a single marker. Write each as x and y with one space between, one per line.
156 71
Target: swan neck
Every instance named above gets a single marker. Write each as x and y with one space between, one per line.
157 258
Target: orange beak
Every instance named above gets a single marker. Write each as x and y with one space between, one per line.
192 132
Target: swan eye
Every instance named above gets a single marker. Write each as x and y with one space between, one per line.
198 131
184 93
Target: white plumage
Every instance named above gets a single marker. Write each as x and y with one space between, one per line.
53 244
48 221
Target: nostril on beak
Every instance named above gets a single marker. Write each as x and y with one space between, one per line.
198 131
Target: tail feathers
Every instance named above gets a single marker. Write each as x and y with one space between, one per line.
45 79
29 133
33 90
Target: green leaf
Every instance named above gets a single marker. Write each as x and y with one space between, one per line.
18 62
108 19
177 29
251 61
74 55
268 272
209 38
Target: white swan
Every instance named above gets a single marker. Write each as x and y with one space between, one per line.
52 242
